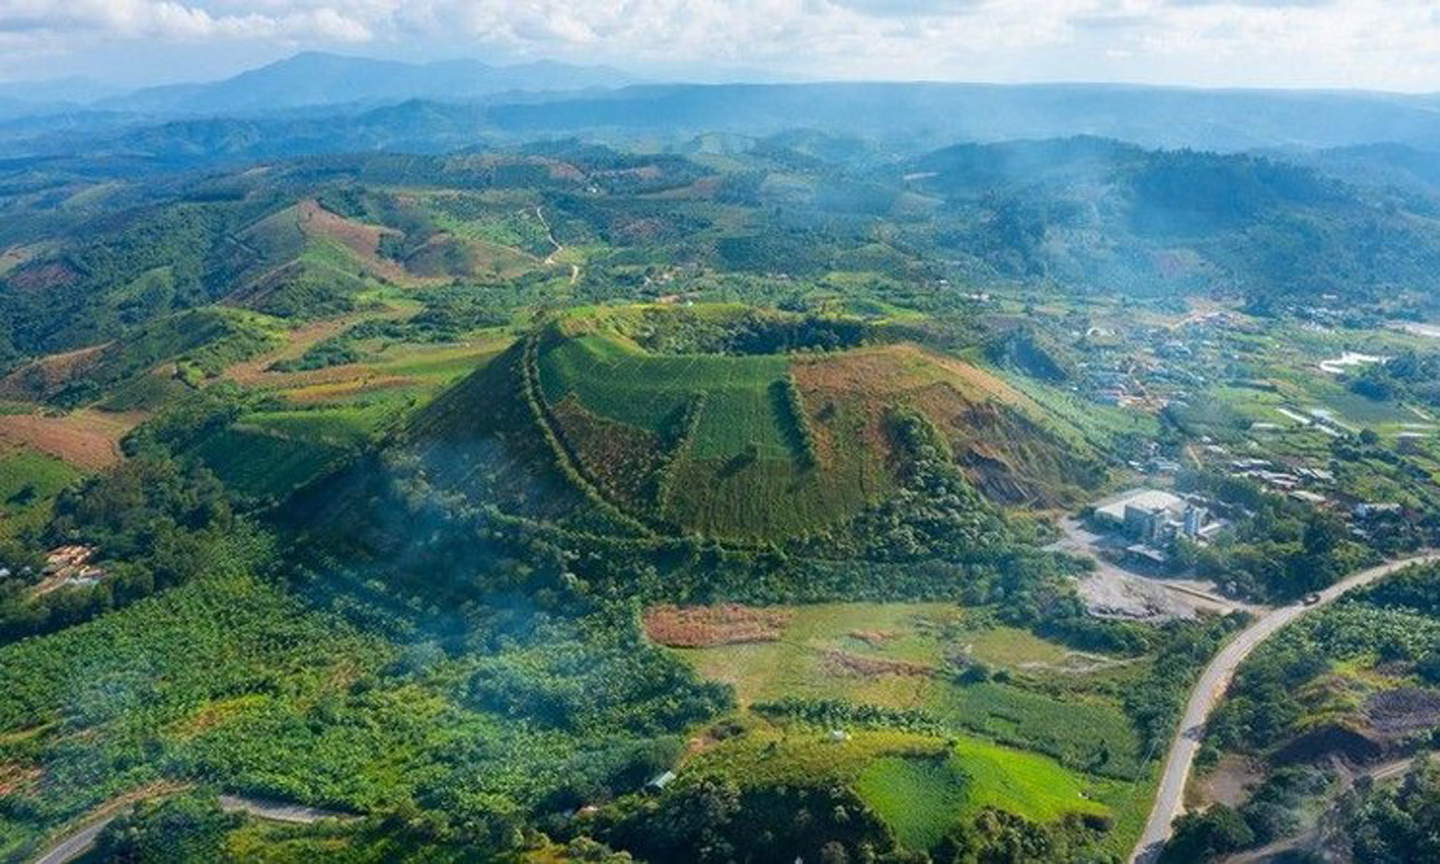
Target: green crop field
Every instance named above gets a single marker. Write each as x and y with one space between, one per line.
919 798
918 784
340 425
622 382
263 465
1091 733
741 472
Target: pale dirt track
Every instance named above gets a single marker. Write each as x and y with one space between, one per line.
1211 688
81 840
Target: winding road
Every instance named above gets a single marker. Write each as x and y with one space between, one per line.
1211 687
82 839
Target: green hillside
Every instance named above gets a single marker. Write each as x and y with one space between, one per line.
187 346
757 446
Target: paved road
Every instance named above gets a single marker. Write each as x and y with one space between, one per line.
76 844
1211 687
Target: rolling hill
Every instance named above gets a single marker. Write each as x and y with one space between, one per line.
761 445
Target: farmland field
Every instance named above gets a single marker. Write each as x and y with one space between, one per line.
263 465
912 646
920 785
87 438
741 473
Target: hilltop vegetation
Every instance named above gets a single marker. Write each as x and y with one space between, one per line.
742 442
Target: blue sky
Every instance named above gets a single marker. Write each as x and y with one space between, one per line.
1377 44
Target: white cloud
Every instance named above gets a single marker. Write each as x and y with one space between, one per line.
170 20
1373 43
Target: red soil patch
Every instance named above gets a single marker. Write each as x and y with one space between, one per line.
705 626
873 638
16 777
328 391
48 374
87 438
991 426
41 276
12 258
841 663
362 239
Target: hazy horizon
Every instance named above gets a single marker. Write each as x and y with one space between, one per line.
1267 44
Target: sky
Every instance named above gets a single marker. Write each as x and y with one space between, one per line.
1370 44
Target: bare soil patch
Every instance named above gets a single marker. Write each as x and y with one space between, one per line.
331 390
707 626
1403 710
16 777
47 375
843 663
87 438
42 277
1230 782
874 638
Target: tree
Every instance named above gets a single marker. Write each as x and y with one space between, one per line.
1206 836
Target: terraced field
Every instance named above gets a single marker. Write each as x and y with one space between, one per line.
740 471
261 465
743 468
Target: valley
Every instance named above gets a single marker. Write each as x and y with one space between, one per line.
712 496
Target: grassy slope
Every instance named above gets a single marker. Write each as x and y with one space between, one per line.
740 475
919 784
1031 746
29 481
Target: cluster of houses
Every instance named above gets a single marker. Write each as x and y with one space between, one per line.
1157 367
69 567
1306 484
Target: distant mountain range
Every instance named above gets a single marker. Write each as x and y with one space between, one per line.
313 79
316 102
941 113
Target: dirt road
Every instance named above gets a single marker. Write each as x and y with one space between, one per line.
1211 687
277 811
80 841
559 247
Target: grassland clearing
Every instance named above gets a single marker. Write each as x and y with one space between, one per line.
29 481
391 371
361 239
920 799
920 785
912 656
